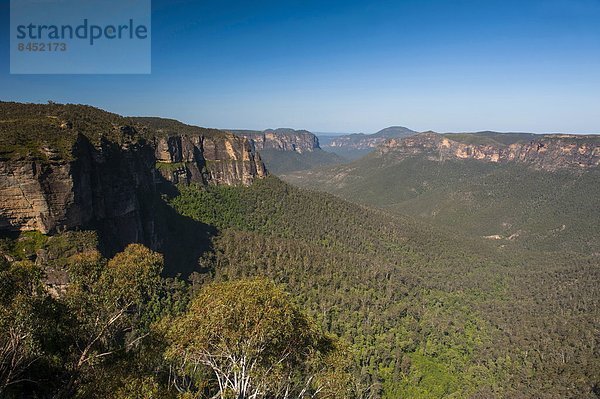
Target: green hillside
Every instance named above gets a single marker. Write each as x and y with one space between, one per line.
423 312
348 152
511 204
427 313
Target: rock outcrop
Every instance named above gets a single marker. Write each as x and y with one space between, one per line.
547 152
299 141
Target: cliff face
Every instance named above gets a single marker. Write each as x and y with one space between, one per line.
299 141
546 152
362 141
103 187
224 160
56 174
26 200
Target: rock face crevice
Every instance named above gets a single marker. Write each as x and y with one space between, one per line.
546 152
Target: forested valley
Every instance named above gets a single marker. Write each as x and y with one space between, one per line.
255 288
378 306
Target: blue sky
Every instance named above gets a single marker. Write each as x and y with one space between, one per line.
353 66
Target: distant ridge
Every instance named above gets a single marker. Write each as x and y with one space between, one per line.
523 189
356 145
285 150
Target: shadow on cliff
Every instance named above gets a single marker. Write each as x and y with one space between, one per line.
180 239
120 194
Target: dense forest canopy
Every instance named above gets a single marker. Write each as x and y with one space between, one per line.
428 313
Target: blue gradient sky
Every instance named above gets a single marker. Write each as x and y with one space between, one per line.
353 66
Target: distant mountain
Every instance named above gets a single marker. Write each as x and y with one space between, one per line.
516 189
287 150
354 146
393 132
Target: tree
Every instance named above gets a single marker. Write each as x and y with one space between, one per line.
111 303
20 297
255 343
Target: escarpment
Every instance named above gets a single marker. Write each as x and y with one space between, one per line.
282 139
67 167
545 152
288 150
107 187
217 158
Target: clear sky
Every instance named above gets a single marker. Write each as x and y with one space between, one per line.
353 66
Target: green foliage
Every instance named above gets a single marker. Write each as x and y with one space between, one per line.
344 262
100 338
219 206
254 339
92 339
427 312
140 388
110 304
28 243
24 246
25 314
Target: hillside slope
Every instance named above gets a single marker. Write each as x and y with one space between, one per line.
428 312
534 193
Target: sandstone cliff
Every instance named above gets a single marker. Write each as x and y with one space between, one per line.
66 167
105 187
299 141
547 152
190 154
